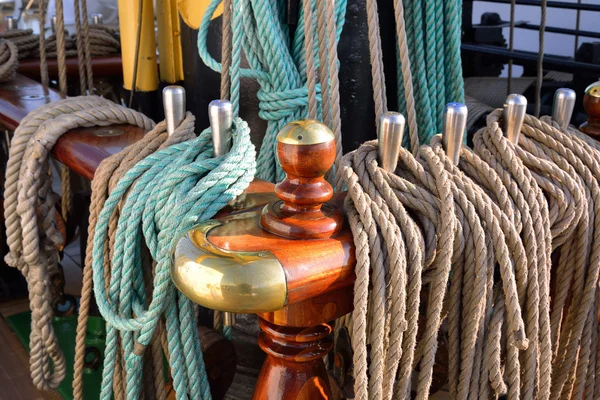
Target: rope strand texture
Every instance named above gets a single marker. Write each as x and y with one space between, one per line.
29 213
513 205
278 64
167 193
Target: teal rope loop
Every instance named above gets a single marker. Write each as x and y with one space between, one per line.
277 63
433 30
163 196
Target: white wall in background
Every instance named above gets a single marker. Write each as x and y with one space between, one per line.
555 43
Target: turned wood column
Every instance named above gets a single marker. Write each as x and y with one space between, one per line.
591 104
297 337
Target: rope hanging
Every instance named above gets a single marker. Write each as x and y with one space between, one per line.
494 221
276 62
187 176
29 214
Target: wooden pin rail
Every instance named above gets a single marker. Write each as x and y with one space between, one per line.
254 262
103 67
82 150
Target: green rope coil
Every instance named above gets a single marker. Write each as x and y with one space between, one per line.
277 63
163 196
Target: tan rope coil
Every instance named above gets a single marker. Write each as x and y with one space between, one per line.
513 206
29 213
9 60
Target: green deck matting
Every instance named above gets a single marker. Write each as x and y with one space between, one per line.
65 329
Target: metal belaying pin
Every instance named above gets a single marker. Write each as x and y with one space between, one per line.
53 23
562 108
97 19
389 135
513 115
220 114
174 105
453 129
10 23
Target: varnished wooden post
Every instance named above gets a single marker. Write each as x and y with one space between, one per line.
294 367
291 263
591 104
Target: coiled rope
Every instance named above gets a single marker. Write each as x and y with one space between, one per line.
108 173
167 193
29 214
276 62
433 35
14 44
495 221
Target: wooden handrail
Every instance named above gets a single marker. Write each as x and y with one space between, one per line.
108 66
83 149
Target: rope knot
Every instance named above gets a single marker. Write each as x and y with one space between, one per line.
282 104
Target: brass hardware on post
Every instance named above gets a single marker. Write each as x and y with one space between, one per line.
453 130
220 114
241 282
390 134
591 105
562 108
513 115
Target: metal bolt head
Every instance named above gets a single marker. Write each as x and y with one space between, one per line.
390 134
515 109
453 129
97 19
562 108
220 114
174 105
10 23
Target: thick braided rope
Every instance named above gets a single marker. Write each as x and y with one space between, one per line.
226 50
406 76
544 146
277 63
60 47
24 39
322 24
186 175
102 41
32 240
585 277
50 47
452 36
380 383
329 79
501 231
42 44
9 60
113 168
536 238
376 55
394 222
539 79
309 44
80 49
87 43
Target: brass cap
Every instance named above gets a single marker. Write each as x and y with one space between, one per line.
230 281
305 132
593 90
